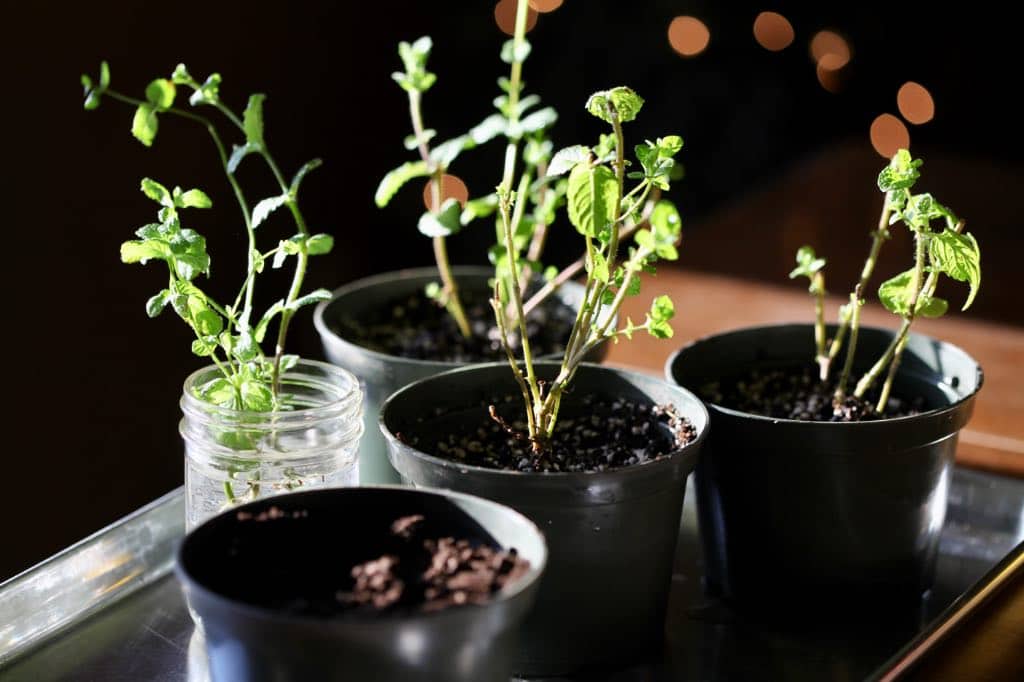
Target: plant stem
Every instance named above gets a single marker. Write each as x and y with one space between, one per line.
819 325
452 299
854 317
878 237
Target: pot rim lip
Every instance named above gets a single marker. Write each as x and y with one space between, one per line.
664 461
936 412
371 281
527 581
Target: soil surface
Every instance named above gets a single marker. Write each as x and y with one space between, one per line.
417 327
796 393
604 433
426 574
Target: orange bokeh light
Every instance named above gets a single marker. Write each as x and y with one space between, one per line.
452 187
505 17
688 36
830 50
888 135
772 31
915 103
546 5
830 80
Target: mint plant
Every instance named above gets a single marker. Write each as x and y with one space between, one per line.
229 335
598 206
446 218
941 249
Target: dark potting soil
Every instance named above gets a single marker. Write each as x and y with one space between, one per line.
425 574
797 393
417 327
599 434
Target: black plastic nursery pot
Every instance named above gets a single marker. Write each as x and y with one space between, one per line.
383 374
611 535
841 518
240 578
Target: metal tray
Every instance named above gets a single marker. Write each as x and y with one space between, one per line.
108 608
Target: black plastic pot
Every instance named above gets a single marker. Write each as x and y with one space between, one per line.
384 374
833 517
237 575
611 535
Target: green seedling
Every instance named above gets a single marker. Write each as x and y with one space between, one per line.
229 335
939 249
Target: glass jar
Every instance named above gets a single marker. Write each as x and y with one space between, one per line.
236 456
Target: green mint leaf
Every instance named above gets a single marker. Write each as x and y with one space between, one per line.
181 76
239 152
104 75
301 174
411 142
537 150
157 192
319 244
666 223
261 328
932 306
662 309
256 396
605 148
669 146
445 223
619 102
218 391
566 159
144 251
487 129
394 180
309 299
513 54
478 208
900 174
445 153
267 206
144 124
591 196
195 198
645 240
252 120
160 93
208 92
958 256
156 304
204 346
245 348
433 291
536 121
807 263
896 293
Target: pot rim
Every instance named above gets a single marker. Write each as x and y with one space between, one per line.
371 281
665 461
938 411
532 575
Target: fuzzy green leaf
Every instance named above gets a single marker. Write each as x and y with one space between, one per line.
144 124
160 93
599 271
446 222
513 54
901 173
394 180
239 152
538 120
566 159
897 292
310 298
143 251
621 102
592 192
807 263
252 120
156 304
958 256
319 244
195 198
261 327
157 192
445 153
267 206
204 346
301 174
478 208
256 396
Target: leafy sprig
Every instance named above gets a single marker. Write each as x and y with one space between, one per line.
939 250
226 334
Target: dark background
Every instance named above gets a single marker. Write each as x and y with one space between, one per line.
94 384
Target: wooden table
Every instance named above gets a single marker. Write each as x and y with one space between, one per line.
707 304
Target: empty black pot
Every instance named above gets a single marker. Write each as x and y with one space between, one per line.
242 579
384 374
611 535
840 518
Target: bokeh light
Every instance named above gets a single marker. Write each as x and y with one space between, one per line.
772 31
830 50
915 103
888 134
830 80
452 187
688 36
505 16
545 5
